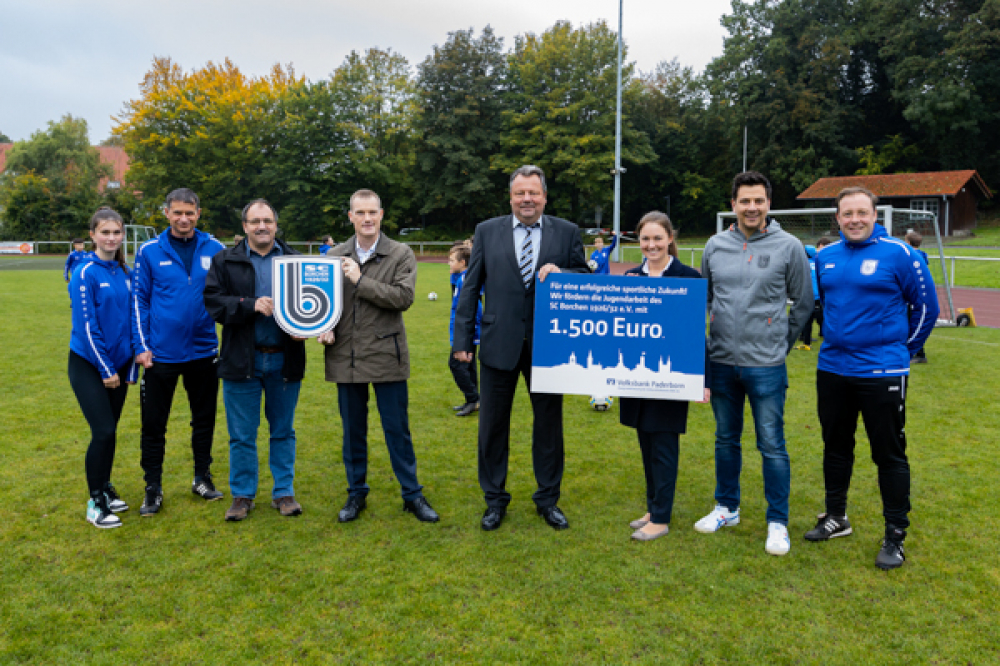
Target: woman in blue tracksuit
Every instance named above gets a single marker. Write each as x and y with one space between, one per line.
658 423
100 357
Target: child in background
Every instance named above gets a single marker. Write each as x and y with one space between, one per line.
464 373
327 245
600 258
914 239
77 255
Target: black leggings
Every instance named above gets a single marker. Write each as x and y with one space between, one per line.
102 408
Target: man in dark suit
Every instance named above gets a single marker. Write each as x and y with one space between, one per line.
507 253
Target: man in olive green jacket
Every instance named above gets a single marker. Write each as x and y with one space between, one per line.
368 346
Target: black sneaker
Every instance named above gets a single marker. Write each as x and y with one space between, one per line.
115 503
205 489
152 502
891 556
829 527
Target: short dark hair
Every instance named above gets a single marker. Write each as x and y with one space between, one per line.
751 178
78 241
183 195
461 253
529 170
824 241
856 189
263 202
328 238
365 194
914 238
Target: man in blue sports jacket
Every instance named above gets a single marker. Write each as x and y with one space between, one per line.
879 306
174 337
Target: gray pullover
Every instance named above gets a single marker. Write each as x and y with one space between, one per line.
749 280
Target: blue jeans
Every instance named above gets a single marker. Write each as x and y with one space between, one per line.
765 387
242 401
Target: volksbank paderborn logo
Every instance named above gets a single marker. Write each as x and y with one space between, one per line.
307 294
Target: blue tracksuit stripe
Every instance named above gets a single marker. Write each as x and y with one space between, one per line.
165 293
879 303
102 301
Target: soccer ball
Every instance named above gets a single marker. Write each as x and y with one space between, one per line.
601 403
432 296
592 265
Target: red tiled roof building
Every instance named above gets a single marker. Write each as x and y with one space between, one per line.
953 195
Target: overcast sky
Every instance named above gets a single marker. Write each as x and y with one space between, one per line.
88 58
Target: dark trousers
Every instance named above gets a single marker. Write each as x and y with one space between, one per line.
156 396
465 376
102 407
547 455
660 451
815 316
881 401
392 399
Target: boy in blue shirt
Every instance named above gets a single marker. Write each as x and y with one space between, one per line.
75 258
600 258
464 373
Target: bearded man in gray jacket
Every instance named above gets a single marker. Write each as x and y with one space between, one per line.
752 269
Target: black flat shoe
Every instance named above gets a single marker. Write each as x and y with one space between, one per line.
352 509
492 519
421 508
554 517
468 409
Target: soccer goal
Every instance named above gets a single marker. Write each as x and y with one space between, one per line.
811 224
135 236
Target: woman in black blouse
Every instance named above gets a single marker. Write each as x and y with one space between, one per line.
658 423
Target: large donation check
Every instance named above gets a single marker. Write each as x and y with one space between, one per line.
620 335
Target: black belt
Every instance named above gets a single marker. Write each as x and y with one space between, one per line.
270 350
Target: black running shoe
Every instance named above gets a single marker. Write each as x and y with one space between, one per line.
152 502
829 527
205 489
115 503
891 556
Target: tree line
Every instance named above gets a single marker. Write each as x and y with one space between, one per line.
821 87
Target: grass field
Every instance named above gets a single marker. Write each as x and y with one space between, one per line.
185 587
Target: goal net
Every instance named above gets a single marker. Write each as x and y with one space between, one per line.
811 224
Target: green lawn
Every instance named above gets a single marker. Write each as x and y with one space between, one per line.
187 587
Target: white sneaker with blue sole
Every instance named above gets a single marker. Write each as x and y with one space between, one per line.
719 518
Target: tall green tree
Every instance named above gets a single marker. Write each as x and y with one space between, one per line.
50 183
208 129
4 138
781 74
689 179
461 92
374 94
562 115
945 57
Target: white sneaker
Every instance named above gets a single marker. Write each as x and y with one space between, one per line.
777 539
720 517
97 516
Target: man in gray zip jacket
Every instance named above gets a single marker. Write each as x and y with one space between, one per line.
752 269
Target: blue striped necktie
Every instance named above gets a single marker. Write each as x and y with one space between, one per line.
527 256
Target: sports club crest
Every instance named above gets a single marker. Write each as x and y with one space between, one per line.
206 262
307 294
868 266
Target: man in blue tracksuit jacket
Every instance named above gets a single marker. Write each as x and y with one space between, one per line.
174 337
879 306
